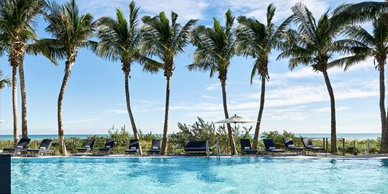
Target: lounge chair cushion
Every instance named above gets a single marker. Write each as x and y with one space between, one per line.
276 150
9 149
83 149
294 148
197 149
249 150
318 149
35 150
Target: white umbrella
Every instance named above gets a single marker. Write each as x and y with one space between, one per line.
236 119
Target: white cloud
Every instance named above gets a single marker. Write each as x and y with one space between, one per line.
209 97
82 121
211 87
327 109
307 72
119 104
292 98
186 9
308 93
119 111
2 121
189 9
258 10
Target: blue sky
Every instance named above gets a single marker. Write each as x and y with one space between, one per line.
94 101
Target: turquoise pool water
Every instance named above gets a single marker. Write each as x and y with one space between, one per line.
198 175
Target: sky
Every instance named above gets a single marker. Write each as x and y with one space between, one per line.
94 101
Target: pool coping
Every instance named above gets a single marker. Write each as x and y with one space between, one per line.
320 156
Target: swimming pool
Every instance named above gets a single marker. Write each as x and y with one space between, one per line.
198 175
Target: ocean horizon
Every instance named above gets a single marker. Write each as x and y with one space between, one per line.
357 136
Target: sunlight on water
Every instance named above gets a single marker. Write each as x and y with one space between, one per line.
198 175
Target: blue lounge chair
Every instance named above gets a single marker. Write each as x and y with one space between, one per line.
270 147
246 147
290 146
155 149
88 147
308 146
133 147
109 145
19 148
44 148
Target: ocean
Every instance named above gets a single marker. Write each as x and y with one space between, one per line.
358 136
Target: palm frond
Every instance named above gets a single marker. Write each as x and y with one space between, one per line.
163 39
119 38
71 29
360 34
347 61
215 47
4 81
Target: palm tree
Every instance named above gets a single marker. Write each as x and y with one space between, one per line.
257 40
314 43
120 41
4 81
165 41
17 20
374 45
215 48
70 31
366 45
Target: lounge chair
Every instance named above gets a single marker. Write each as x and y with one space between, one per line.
44 148
270 146
133 147
246 147
308 146
290 146
155 149
20 146
197 147
109 145
88 147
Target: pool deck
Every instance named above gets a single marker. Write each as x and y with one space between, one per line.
286 156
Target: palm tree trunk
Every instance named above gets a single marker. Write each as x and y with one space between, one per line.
332 108
260 115
384 129
127 96
61 138
230 132
15 105
24 100
165 129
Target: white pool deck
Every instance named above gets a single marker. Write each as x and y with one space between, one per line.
285 156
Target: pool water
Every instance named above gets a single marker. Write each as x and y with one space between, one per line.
198 175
